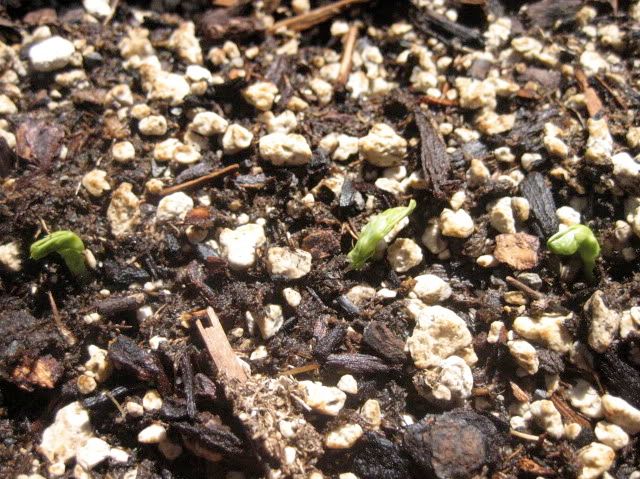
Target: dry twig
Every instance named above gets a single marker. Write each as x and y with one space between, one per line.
222 355
200 180
313 17
594 105
64 331
524 288
347 54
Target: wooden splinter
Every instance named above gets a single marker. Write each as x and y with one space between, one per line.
222 354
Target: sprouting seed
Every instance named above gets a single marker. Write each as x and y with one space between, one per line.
375 230
68 245
577 239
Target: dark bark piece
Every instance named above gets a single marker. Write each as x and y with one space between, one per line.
39 141
124 275
193 172
105 398
618 376
375 457
223 24
214 437
173 411
205 388
550 361
433 155
329 342
452 445
7 158
384 342
195 275
546 13
188 383
347 194
127 356
347 306
535 190
113 306
358 364
549 79
432 24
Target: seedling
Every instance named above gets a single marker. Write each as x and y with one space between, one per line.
68 245
577 239
375 230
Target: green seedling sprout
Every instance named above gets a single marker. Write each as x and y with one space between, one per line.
376 229
577 239
68 245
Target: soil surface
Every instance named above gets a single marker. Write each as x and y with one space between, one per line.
220 159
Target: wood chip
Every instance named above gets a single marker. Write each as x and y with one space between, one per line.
594 105
439 26
519 393
535 190
529 466
433 154
518 250
223 357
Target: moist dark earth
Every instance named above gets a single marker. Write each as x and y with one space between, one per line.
219 160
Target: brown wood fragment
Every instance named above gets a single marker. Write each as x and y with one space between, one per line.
594 105
347 55
313 17
39 141
200 180
568 413
518 250
300 369
524 288
223 357
117 305
531 467
433 154
519 393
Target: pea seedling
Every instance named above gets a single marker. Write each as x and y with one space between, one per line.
577 239
375 230
68 245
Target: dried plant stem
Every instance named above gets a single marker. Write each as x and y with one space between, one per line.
347 54
200 180
313 17
64 331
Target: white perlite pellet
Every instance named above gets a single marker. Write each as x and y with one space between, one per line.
288 262
51 54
